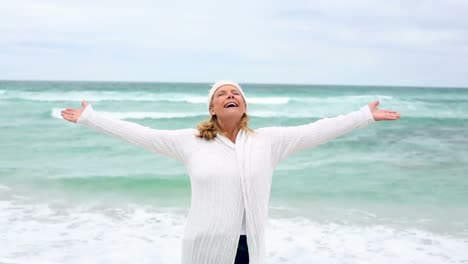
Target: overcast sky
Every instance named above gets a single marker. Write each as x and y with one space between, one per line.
422 43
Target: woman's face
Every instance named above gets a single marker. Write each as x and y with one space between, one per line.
228 102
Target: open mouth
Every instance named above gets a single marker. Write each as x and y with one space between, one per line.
231 104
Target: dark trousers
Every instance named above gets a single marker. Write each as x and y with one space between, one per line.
242 256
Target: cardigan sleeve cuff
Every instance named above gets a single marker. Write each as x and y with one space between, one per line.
85 115
366 116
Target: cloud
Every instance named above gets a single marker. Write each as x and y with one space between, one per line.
349 42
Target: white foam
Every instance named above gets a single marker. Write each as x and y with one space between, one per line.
341 99
40 233
268 100
98 96
250 100
302 241
56 113
4 188
282 114
267 107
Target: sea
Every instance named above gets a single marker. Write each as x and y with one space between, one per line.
393 192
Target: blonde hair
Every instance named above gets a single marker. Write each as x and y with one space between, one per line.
210 128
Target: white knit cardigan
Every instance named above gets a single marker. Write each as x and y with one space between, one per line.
227 178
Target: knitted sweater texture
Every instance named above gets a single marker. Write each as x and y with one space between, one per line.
227 179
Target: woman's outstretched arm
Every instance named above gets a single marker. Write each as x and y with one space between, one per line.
289 140
172 143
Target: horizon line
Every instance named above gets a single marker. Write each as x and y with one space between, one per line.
243 83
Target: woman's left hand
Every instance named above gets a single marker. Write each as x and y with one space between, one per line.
382 115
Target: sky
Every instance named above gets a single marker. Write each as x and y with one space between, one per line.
355 42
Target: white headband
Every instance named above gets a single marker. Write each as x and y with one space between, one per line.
218 84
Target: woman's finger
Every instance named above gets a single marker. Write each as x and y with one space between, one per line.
67 117
71 112
392 116
387 116
389 111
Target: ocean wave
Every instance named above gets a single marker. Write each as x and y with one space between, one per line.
56 113
268 100
99 96
59 231
307 107
93 96
4 188
341 99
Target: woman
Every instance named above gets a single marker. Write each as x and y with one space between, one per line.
230 168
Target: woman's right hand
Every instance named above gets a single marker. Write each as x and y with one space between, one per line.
72 114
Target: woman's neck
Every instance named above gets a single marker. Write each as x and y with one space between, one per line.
230 129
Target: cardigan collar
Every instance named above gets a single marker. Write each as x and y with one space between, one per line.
225 140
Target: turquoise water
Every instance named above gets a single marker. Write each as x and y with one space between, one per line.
399 183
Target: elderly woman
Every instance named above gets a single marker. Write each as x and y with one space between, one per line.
230 168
